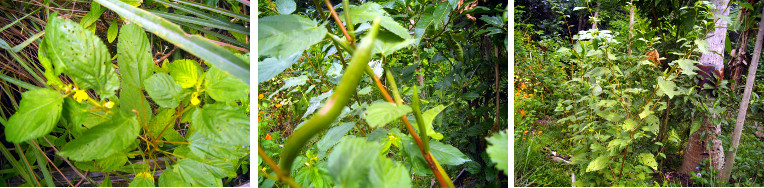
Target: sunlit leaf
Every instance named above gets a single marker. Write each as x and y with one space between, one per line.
283 35
597 164
380 113
163 90
222 87
38 112
185 72
103 140
497 150
648 160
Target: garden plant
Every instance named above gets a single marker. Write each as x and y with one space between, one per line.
396 93
638 93
118 93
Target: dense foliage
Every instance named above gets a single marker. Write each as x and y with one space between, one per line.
407 93
105 98
601 104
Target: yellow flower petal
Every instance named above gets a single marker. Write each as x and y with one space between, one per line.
80 95
108 104
195 101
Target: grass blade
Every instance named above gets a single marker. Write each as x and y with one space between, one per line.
202 22
215 9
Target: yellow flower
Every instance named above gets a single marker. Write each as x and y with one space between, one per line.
108 104
263 169
523 138
525 132
260 96
278 105
522 112
540 132
80 95
195 101
145 175
315 158
522 85
307 164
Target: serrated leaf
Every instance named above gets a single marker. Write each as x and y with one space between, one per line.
163 90
315 102
283 35
222 123
380 113
207 174
85 58
223 87
349 163
112 162
206 147
185 72
497 150
143 179
648 160
135 101
38 112
170 178
285 6
432 21
597 164
668 87
333 136
629 125
368 11
387 173
688 66
103 140
703 45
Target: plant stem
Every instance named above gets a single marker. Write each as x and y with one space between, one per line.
339 22
282 176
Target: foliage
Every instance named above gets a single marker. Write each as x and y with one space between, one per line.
339 127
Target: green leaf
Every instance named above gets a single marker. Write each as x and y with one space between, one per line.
648 160
103 140
285 6
597 164
333 136
272 66
430 115
85 57
222 123
703 45
134 56
688 66
170 178
368 11
185 72
112 162
497 150
447 154
350 161
38 112
163 90
222 87
112 32
387 173
668 87
207 174
283 35
432 21
164 117
196 45
386 43
88 21
696 124
143 179
579 8
134 101
316 175
206 147
380 113
629 125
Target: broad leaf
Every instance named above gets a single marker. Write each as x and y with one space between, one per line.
272 66
285 6
283 35
597 164
222 123
350 161
222 87
103 140
134 101
447 154
497 150
368 11
134 56
143 179
36 116
389 174
170 178
85 57
668 87
380 113
196 45
112 32
688 66
163 90
206 147
430 115
333 136
432 21
112 162
207 174
185 72
648 160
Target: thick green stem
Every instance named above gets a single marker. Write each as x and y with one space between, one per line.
393 87
334 105
420 121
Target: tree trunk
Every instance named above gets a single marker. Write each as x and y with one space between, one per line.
631 25
725 175
696 149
